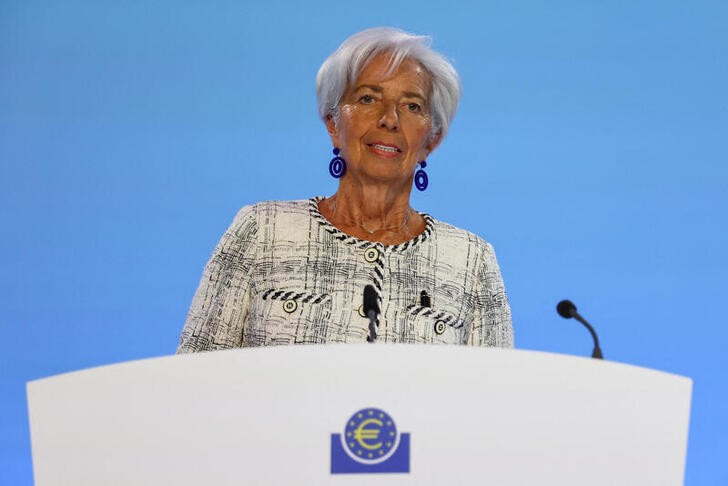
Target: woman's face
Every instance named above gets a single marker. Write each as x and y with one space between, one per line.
384 126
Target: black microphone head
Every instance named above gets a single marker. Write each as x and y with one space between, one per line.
566 309
370 300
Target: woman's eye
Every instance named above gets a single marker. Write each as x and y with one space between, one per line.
366 99
414 107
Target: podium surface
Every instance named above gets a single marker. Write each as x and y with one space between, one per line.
291 415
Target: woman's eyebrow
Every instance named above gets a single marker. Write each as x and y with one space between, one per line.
372 87
412 94
378 89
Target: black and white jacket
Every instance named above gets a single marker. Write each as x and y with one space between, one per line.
282 274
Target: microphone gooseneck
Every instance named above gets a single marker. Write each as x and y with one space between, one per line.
567 310
371 310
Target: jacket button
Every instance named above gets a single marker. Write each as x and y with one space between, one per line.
440 327
371 255
290 306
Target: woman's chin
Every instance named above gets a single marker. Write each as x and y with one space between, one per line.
381 178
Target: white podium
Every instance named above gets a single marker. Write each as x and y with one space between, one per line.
449 415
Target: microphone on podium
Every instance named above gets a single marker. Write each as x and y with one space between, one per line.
567 310
371 310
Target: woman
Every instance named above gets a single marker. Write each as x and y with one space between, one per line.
295 271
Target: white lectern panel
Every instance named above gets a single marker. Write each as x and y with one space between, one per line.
267 415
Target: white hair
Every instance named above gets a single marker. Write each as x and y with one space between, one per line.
343 67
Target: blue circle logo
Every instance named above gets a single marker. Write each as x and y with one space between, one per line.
370 436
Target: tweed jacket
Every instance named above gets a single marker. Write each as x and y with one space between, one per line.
282 274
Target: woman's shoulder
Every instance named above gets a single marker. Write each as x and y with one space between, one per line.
273 209
273 217
453 237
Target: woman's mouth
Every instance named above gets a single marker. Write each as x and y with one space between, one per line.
386 150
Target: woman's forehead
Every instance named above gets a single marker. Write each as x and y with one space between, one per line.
378 72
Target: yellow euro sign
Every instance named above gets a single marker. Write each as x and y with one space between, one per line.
361 434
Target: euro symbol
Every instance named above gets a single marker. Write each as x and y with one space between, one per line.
361 434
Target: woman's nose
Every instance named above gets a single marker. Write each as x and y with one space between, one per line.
390 117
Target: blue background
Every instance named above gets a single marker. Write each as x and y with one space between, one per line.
589 148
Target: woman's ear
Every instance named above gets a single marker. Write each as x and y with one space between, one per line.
331 128
434 142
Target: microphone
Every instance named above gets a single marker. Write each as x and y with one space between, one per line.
371 309
567 310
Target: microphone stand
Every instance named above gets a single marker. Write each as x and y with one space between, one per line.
567 310
371 309
372 315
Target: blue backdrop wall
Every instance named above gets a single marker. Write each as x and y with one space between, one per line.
590 149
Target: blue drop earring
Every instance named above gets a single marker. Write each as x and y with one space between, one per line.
337 166
421 180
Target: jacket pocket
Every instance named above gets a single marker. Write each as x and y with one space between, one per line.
280 316
431 325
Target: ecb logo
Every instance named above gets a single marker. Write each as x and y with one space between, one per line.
370 444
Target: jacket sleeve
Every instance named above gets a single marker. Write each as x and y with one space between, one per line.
216 319
492 323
